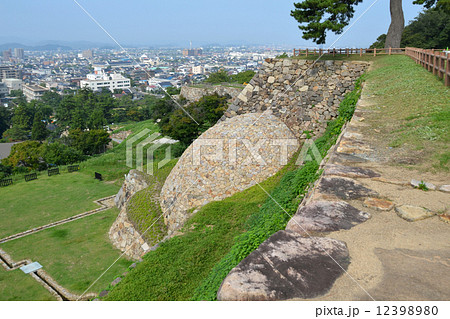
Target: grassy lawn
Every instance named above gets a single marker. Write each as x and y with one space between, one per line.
112 164
17 286
48 199
416 111
74 254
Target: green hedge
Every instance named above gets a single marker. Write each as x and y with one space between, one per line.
288 194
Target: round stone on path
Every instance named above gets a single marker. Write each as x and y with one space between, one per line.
415 183
378 204
445 188
413 213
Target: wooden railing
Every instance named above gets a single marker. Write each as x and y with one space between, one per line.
348 51
434 61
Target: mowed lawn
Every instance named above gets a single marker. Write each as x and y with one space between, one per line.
74 254
48 199
16 286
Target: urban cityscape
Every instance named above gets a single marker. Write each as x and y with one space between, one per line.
225 151
134 71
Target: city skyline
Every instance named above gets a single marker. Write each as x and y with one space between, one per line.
178 22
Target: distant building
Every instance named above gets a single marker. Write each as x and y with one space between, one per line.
99 80
7 55
198 69
9 72
192 52
13 84
87 54
3 90
18 53
33 92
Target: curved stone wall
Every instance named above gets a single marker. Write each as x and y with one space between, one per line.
193 94
230 157
122 233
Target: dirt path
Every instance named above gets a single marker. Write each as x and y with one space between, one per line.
391 258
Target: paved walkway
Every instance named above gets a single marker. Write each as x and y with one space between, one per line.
403 251
5 149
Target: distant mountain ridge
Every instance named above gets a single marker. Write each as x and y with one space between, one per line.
51 45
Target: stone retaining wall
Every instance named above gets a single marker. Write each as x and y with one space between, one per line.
123 234
304 94
193 94
228 158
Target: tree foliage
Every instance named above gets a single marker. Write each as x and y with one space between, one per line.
317 17
39 131
89 142
429 30
220 76
207 111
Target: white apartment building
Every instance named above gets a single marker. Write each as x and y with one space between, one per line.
33 92
13 84
198 69
99 79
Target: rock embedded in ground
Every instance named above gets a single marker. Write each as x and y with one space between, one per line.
344 188
445 188
378 204
116 281
103 293
349 171
415 183
325 216
445 218
413 213
287 266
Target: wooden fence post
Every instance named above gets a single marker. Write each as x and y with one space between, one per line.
447 72
306 52
360 52
390 50
375 52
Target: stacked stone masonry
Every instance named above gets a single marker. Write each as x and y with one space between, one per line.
193 94
305 95
228 158
123 233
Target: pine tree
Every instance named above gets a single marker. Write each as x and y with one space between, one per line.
38 132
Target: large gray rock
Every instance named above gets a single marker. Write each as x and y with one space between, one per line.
349 171
287 266
325 216
344 188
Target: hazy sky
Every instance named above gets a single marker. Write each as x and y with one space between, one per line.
151 22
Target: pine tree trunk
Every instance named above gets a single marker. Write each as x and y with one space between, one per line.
394 35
